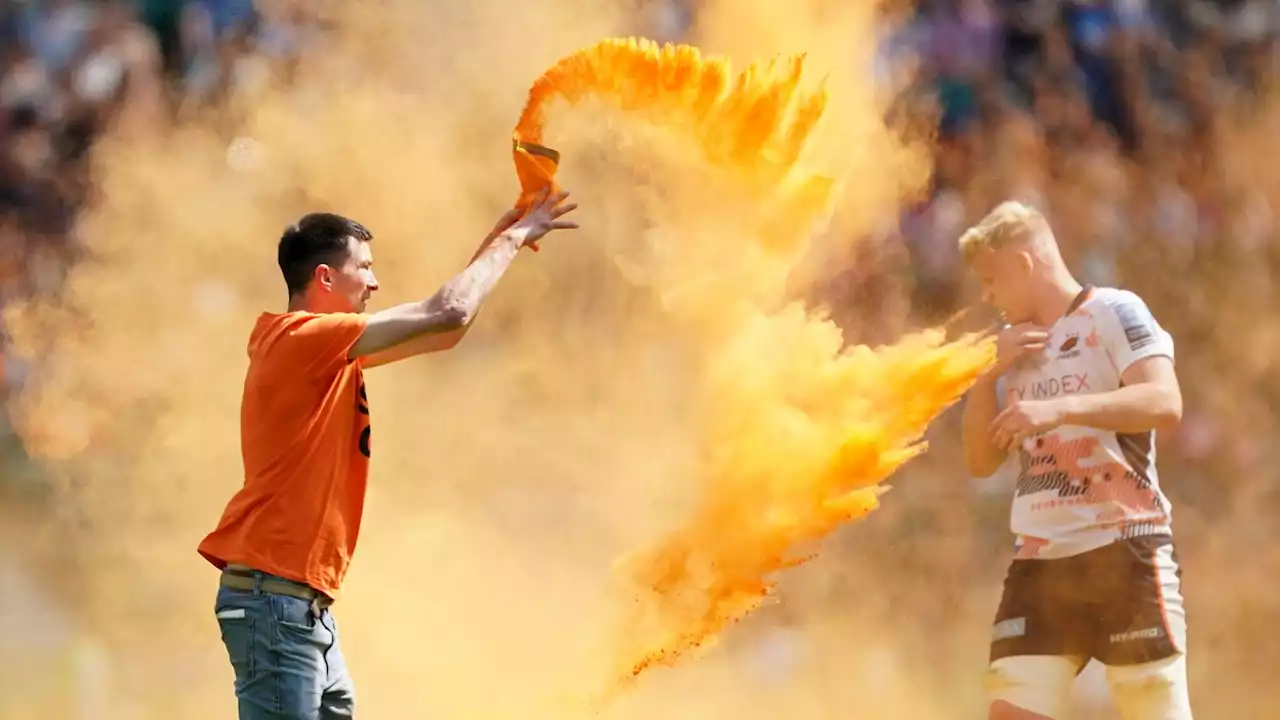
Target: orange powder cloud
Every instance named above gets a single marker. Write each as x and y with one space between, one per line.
796 431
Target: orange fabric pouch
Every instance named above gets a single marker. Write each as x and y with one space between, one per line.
536 168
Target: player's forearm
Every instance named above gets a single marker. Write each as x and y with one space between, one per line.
982 457
1132 409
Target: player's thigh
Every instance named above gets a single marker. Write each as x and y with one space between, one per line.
1039 614
1143 618
1030 687
1152 691
1036 649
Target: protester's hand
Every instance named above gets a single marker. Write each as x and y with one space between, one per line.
543 217
508 219
504 223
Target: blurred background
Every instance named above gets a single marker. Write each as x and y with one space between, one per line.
1142 128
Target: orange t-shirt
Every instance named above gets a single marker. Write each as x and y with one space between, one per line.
304 435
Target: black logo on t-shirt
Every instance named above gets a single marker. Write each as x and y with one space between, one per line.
362 404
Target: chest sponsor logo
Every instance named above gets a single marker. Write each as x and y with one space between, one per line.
1065 384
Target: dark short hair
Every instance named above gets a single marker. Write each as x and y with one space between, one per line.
316 239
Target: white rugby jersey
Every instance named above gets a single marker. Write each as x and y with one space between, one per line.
1080 488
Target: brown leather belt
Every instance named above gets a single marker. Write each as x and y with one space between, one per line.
238 578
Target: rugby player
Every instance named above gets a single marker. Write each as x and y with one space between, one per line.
286 538
1084 378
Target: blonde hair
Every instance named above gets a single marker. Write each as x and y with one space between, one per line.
1010 221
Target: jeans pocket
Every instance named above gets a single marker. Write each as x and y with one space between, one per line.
237 627
293 614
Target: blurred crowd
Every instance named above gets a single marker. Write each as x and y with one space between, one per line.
69 69
1110 115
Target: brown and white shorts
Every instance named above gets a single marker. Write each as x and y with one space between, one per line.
1120 604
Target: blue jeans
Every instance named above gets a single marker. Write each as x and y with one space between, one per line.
286 658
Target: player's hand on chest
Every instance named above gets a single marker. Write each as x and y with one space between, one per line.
1072 362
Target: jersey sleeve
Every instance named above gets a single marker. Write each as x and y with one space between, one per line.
1131 333
317 345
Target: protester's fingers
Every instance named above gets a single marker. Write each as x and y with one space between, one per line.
508 219
564 209
555 200
540 198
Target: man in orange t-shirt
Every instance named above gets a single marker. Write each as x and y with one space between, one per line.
285 539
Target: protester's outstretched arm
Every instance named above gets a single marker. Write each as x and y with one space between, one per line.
455 305
437 342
